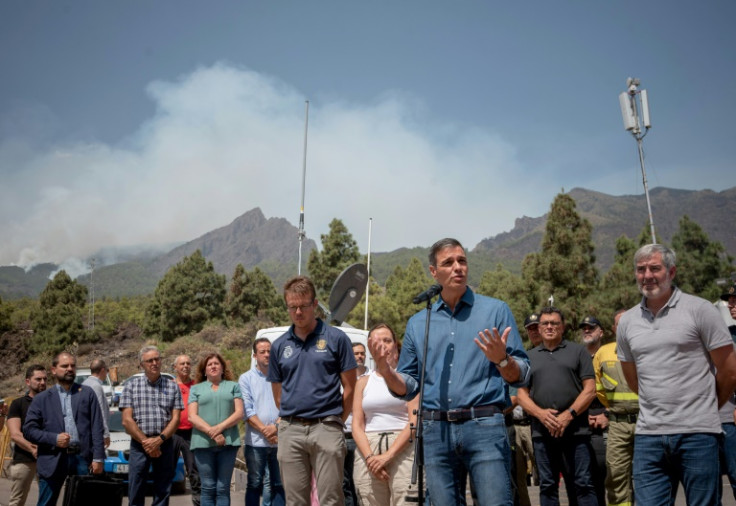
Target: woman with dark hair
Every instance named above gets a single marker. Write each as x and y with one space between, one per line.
383 462
215 408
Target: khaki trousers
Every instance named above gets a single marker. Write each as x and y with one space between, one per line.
523 454
374 492
21 476
305 449
619 463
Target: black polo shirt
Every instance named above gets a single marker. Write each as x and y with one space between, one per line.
556 379
18 409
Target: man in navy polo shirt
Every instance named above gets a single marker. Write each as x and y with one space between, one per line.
308 365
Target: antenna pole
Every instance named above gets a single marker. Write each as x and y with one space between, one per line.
636 115
91 322
368 283
646 186
302 234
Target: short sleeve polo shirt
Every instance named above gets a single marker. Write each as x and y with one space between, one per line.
309 371
556 380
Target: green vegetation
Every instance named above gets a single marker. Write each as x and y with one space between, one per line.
193 309
189 295
251 295
564 269
339 250
58 320
6 311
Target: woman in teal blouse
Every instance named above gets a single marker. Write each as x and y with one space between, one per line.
215 408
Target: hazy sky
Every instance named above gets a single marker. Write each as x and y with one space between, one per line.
138 122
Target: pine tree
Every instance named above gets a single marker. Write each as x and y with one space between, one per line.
700 262
618 287
565 268
339 250
58 321
509 288
252 295
6 311
189 295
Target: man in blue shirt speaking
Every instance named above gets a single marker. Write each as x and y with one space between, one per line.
474 353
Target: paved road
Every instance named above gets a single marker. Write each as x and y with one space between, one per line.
238 496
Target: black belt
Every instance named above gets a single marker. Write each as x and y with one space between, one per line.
72 450
523 421
461 415
312 421
627 417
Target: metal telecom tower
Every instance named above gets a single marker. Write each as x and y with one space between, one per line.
636 115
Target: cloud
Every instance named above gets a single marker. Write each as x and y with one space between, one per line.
225 139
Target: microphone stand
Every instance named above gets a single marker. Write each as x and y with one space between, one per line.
417 471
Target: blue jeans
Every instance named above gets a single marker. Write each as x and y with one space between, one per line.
478 446
663 460
164 468
572 456
259 460
215 473
50 488
728 456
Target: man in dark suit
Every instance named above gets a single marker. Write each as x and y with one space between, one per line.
65 422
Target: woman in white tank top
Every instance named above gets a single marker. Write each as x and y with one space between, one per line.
383 462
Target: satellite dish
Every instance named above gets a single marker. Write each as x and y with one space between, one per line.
347 291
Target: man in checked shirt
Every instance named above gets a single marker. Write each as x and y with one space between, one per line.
151 405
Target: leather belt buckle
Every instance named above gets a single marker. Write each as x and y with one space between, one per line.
454 415
73 450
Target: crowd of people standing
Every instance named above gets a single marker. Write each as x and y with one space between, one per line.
623 422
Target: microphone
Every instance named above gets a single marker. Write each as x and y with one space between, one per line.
427 294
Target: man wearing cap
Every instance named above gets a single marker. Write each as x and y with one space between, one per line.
675 352
531 324
592 337
623 407
561 387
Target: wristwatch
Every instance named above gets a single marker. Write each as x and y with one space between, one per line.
504 362
573 412
163 438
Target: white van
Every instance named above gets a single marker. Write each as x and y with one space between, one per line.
355 336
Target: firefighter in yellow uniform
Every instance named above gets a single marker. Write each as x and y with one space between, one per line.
623 408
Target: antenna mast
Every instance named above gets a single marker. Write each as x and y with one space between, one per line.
91 322
368 282
636 115
302 234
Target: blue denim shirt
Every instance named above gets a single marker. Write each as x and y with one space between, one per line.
458 373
